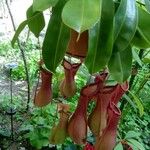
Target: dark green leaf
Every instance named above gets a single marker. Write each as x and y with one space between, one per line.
120 65
37 24
81 15
140 41
101 39
126 20
41 5
56 39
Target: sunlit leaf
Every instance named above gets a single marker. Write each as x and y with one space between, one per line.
37 24
81 15
101 40
41 5
126 19
22 26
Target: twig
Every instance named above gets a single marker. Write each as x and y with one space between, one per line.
22 53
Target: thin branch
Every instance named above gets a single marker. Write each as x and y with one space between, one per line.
22 53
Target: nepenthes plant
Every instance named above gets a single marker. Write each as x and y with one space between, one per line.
101 35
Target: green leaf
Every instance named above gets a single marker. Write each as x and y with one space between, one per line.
136 57
37 24
144 24
81 15
129 101
56 39
41 5
132 134
119 146
147 4
22 26
138 103
126 20
101 40
136 144
120 65
140 41
18 31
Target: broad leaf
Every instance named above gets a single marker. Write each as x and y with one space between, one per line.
22 26
41 5
140 41
81 15
144 24
37 24
138 103
119 146
56 39
136 144
101 39
120 65
126 20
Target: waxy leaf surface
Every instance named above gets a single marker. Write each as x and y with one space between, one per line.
37 24
81 15
56 39
101 39
126 19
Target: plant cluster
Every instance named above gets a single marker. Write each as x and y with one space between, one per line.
105 38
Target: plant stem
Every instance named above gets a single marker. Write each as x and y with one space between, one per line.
22 53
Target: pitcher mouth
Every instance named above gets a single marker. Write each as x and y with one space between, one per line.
68 65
